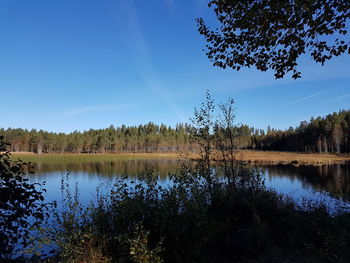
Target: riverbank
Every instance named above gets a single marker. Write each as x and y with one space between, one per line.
257 157
272 158
84 157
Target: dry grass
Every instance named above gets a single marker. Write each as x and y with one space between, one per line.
169 154
291 158
83 157
259 157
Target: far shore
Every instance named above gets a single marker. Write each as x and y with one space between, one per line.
248 156
270 157
132 154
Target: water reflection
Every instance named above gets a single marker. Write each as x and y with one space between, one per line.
112 168
303 181
333 179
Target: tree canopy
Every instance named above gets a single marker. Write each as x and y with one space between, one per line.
320 134
271 34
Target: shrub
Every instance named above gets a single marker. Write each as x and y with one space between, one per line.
21 206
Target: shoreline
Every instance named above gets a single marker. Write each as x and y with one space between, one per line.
247 156
293 158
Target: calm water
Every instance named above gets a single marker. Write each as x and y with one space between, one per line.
328 182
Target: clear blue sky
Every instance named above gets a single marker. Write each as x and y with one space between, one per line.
77 64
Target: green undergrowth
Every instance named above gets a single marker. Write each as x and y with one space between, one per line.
234 221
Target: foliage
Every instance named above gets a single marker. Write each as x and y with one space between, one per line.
143 138
21 206
143 222
321 134
203 134
327 134
139 249
203 215
64 229
274 34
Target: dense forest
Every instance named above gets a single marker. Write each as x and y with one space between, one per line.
142 138
321 134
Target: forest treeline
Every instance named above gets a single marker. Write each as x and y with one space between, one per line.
143 138
322 134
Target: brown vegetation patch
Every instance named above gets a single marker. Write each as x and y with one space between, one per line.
269 157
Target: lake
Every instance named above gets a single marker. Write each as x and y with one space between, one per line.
330 183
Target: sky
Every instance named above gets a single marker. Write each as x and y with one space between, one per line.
70 65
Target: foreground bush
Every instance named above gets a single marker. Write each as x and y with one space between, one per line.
238 221
21 207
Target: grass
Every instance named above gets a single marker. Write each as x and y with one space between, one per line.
259 157
291 158
78 158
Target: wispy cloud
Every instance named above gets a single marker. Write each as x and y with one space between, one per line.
338 98
323 102
304 98
170 4
83 110
201 4
142 56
